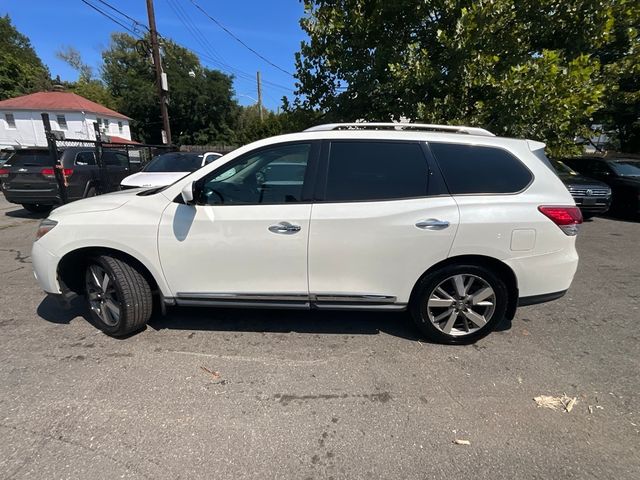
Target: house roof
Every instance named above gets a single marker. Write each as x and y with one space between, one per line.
52 101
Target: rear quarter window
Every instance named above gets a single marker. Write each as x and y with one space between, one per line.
473 169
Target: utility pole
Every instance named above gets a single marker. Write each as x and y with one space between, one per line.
161 77
259 94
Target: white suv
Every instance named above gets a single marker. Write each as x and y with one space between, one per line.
452 223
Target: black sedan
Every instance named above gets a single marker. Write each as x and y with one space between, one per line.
593 197
621 174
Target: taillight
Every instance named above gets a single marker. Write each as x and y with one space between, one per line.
50 172
567 218
4 173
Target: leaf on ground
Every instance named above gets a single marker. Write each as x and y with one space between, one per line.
215 375
556 403
458 441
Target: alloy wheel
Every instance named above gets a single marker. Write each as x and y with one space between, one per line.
461 305
102 295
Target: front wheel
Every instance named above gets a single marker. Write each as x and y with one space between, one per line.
119 296
459 303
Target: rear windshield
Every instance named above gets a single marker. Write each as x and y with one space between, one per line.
175 162
30 159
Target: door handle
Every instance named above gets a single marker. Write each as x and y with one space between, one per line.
284 228
432 224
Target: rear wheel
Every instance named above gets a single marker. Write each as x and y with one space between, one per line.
459 303
91 192
119 297
37 208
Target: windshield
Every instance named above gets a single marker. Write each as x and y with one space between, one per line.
175 162
626 168
563 168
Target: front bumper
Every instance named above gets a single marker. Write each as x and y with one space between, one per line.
45 266
593 204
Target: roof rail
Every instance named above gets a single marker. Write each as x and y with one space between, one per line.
401 126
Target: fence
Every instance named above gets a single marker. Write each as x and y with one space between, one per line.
113 160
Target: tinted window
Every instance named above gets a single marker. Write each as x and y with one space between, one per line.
271 175
376 171
30 159
114 159
627 168
85 158
175 162
475 169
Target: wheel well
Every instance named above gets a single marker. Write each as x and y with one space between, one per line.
72 266
495 265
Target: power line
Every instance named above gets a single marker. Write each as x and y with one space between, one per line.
105 14
135 22
217 60
239 40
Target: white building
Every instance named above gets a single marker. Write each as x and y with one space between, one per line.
21 122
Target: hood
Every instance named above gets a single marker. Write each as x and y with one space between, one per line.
109 201
627 181
152 179
580 180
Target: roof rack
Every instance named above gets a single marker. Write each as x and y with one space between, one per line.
401 126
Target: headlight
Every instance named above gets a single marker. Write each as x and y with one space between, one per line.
45 227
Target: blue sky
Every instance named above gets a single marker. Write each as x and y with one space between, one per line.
269 26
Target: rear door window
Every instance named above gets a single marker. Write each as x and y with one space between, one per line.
474 169
375 170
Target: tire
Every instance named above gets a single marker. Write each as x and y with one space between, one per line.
37 208
91 192
125 305
454 319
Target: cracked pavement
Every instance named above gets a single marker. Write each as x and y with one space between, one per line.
253 394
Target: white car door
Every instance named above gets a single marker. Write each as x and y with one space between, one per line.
246 239
385 218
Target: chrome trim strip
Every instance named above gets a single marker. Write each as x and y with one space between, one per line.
360 306
289 297
353 298
194 302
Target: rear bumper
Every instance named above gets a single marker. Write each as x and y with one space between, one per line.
536 299
542 276
41 197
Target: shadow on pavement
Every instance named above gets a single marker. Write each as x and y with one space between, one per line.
398 324
53 311
283 321
22 213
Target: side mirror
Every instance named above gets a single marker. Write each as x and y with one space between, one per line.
190 192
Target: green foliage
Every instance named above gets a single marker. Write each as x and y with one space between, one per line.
518 67
201 109
86 86
21 71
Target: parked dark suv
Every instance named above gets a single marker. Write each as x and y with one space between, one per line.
593 197
29 179
621 174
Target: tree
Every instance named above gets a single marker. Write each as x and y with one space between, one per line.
86 86
518 67
21 70
201 108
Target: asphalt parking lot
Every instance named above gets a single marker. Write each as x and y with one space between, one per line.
233 394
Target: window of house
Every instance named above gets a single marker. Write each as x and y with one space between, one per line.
119 127
473 169
105 122
62 122
371 170
11 121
